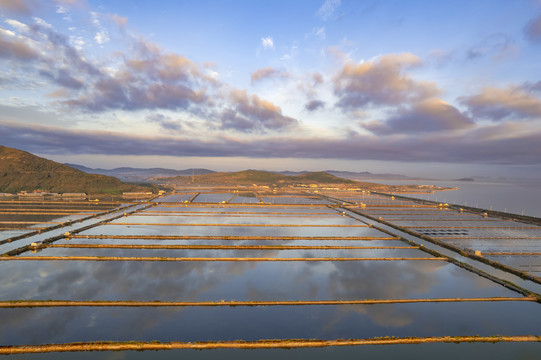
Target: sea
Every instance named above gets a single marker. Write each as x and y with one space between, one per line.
521 196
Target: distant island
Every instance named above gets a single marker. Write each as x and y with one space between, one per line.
131 174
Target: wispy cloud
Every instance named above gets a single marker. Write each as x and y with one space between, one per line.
268 73
533 30
318 32
17 6
327 9
61 9
120 21
102 35
267 42
314 105
164 122
498 46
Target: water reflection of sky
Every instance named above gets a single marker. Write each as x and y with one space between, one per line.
157 230
213 198
248 241
42 325
440 351
469 231
232 253
243 219
213 281
250 281
194 208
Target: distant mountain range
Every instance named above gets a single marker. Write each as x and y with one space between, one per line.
364 175
143 174
22 171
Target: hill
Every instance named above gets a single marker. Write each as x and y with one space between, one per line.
20 170
267 178
140 174
258 177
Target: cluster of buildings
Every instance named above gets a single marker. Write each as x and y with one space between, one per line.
45 194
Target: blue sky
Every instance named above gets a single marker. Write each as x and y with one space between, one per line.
440 89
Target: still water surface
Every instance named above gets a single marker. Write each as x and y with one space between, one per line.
251 281
510 197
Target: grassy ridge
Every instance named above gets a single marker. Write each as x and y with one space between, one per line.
249 177
20 170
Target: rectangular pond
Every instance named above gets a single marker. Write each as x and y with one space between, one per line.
33 325
240 280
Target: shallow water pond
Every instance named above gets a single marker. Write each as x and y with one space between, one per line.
34 325
244 280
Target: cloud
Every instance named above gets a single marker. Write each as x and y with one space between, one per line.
111 93
12 47
440 57
120 21
61 9
313 105
56 51
268 73
62 78
317 78
327 9
58 94
267 42
17 25
532 87
318 32
497 45
381 82
165 122
17 6
146 78
430 115
249 113
151 79
502 143
102 35
533 30
310 84
497 104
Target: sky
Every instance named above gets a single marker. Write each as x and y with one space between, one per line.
420 88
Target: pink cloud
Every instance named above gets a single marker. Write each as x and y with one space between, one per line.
381 82
497 104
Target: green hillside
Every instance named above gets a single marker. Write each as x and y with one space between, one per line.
20 170
321 178
265 178
249 177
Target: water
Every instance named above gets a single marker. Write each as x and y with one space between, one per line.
254 280
498 351
517 198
